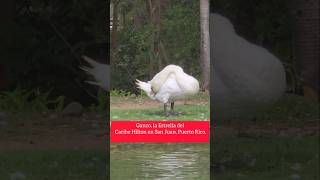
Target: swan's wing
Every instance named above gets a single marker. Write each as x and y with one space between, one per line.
169 90
159 79
170 86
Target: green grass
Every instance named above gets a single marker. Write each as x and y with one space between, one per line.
289 111
186 112
192 111
266 158
22 100
54 165
292 108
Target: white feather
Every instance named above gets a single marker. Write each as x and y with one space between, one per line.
172 84
245 76
99 71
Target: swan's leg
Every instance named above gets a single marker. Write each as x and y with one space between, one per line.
172 110
172 107
165 109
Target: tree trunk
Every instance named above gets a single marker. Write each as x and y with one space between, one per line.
205 43
155 19
115 22
307 44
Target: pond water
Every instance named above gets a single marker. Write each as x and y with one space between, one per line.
160 161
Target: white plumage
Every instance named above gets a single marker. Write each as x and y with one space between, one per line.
245 76
169 85
99 71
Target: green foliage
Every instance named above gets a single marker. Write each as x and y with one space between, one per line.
102 104
134 57
21 100
142 93
182 33
123 93
291 110
43 42
120 93
103 101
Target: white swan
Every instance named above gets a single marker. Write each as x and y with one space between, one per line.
169 85
99 71
245 76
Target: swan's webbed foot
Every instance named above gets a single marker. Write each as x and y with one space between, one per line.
172 112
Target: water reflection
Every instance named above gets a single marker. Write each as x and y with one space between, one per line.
160 161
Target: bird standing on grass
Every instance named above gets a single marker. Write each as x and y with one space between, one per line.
169 85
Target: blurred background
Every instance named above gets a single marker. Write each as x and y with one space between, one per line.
288 29
42 43
53 125
280 141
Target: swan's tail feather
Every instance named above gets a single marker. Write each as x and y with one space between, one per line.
92 62
87 70
98 71
142 85
146 87
137 82
94 83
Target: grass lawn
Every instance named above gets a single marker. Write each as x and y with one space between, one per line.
53 165
196 107
188 112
